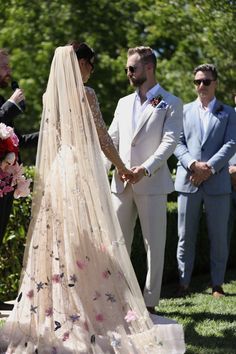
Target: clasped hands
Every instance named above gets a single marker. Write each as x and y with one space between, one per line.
232 172
200 172
132 175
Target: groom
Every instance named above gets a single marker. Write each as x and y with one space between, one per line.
145 130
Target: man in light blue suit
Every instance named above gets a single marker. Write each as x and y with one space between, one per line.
232 172
207 142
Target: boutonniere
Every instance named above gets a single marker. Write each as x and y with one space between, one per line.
220 113
158 102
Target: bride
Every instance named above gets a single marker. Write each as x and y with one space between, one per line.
78 291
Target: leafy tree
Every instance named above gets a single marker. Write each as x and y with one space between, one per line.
184 33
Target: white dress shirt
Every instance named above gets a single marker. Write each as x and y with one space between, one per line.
139 108
204 117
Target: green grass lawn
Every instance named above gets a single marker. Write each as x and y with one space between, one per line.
209 323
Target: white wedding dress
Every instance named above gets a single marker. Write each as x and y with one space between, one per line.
78 291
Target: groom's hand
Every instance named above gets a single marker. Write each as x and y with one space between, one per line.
125 174
138 173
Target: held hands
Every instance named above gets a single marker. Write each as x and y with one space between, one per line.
17 96
200 172
232 172
134 175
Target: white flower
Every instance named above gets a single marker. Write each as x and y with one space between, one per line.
5 132
10 158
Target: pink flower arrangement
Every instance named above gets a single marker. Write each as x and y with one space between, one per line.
11 173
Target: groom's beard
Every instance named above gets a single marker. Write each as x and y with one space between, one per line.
137 82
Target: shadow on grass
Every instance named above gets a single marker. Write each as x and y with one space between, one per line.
199 285
223 341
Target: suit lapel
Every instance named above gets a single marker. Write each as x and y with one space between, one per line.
197 123
143 118
147 112
128 112
212 121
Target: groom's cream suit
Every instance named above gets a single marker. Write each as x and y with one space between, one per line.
150 144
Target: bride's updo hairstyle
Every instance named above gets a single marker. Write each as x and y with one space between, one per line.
83 51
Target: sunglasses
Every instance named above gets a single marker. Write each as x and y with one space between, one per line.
206 82
131 69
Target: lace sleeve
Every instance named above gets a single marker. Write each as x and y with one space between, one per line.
105 140
104 137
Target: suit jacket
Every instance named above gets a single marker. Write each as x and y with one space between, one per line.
152 143
8 111
216 148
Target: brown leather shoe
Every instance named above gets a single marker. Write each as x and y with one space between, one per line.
217 291
151 309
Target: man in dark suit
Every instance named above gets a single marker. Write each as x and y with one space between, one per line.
206 144
9 109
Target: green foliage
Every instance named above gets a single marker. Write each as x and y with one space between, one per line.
12 249
184 33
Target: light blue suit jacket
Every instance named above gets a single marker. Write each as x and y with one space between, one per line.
216 148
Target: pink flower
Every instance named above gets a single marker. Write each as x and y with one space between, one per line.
14 139
11 173
49 312
97 295
65 336
103 247
56 278
22 187
99 317
81 264
106 274
131 316
30 294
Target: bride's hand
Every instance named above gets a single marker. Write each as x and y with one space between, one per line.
125 174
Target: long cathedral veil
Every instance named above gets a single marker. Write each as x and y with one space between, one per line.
78 291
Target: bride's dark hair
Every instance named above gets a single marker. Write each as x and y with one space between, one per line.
82 50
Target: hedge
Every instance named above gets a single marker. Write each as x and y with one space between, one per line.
12 249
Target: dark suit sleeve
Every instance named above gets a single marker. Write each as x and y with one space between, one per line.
8 111
28 140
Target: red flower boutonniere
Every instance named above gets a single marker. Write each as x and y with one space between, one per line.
156 100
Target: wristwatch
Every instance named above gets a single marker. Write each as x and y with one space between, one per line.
147 173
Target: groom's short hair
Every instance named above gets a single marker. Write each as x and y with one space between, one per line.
147 54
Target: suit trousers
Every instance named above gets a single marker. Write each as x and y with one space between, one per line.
217 209
232 216
151 210
5 211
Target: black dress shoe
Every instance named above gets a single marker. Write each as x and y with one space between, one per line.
182 291
5 307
